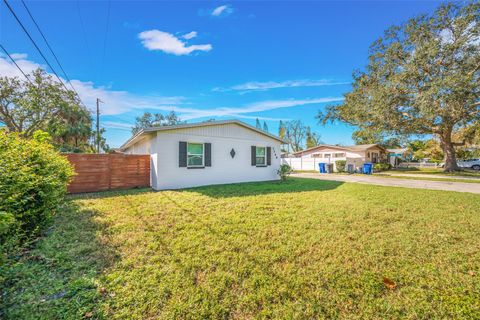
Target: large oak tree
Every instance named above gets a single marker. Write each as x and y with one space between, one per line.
423 77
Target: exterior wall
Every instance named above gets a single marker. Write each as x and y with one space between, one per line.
144 146
166 173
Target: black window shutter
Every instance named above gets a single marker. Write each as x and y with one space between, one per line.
254 155
269 156
208 154
182 154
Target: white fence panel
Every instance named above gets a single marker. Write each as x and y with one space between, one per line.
302 164
311 164
418 165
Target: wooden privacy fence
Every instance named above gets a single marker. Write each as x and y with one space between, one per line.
99 172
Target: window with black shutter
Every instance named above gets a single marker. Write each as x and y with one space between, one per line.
195 155
208 154
261 156
182 154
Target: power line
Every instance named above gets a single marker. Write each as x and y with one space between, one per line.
33 41
38 49
84 33
15 63
49 47
105 39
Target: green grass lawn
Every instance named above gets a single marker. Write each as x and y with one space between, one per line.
297 250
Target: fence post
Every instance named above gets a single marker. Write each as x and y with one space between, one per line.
109 161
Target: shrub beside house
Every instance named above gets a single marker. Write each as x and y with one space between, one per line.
33 182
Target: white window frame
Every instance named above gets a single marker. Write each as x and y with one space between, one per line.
264 157
196 154
327 155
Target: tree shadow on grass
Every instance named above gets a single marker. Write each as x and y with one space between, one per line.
266 187
110 193
58 278
244 189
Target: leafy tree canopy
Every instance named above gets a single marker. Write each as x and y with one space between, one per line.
258 124
312 138
44 104
295 134
148 120
282 130
422 78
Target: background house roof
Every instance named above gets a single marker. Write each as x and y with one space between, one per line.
358 147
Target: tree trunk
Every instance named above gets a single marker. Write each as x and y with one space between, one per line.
448 151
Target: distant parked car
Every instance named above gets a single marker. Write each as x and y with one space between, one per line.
467 163
470 163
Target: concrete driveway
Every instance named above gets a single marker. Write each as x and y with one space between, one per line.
395 182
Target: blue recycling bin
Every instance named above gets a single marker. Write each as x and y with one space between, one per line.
321 167
368 168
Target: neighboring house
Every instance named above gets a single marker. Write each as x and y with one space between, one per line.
396 156
355 155
214 152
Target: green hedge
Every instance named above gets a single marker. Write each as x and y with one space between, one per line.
340 165
33 182
377 167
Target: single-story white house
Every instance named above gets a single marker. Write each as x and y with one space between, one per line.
212 152
355 155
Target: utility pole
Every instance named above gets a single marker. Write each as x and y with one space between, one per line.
98 125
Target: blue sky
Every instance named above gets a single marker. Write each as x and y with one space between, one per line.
271 60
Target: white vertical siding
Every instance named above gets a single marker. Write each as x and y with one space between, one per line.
144 146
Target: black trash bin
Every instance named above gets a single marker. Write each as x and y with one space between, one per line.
350 168
330 168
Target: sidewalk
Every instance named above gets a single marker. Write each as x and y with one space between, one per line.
433 176
395 182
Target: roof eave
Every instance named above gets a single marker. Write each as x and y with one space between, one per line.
200 124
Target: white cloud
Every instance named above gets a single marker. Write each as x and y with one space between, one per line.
118 102
117 125
447 37
224 10
19 56
244 112
8 69
168 43
262 86
115 102
190 35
